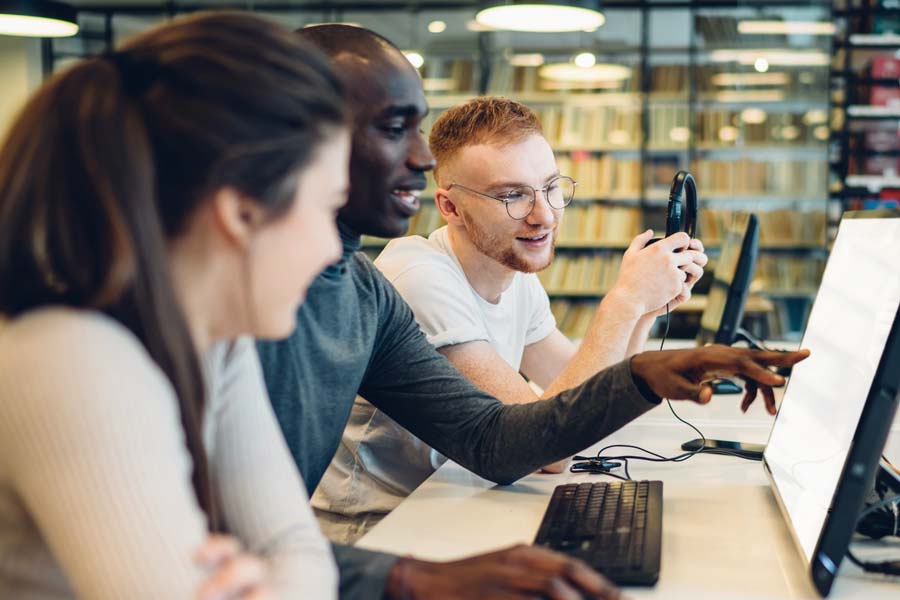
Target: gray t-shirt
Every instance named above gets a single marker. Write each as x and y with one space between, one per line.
356 335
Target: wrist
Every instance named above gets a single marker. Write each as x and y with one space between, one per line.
640 381
619 302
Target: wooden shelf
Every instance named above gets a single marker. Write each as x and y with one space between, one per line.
865 111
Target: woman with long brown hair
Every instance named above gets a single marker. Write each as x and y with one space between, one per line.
156 204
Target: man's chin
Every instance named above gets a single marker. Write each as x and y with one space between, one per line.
392 227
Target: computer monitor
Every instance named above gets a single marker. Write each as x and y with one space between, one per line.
731 282
837 409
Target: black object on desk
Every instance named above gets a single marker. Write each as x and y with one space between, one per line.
615 526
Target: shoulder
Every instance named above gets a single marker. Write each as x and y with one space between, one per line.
57 360
70 335
418 255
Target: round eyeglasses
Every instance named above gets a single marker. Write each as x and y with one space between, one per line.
519 201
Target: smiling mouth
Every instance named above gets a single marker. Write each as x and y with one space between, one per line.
410 198
534 239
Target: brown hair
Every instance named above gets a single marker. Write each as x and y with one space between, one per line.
110 158
487 119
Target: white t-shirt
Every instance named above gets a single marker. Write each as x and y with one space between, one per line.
379 463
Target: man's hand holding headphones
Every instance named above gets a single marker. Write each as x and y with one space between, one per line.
662 273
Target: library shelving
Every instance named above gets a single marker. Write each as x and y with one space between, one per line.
864 153
675 86
755 139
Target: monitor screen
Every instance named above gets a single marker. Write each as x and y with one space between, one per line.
730 281
847 332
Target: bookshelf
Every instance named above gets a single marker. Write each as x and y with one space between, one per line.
864 151
754 141
691 96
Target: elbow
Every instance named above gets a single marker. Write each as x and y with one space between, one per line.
504 476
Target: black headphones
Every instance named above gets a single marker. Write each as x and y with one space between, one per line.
676 218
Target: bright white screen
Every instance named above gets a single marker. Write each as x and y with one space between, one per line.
846 333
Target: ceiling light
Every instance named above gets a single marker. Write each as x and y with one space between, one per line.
598 72
527 60
761 65
786 27
750 96
748 79
477 27
547 84
753 116
549 15
437 27
815 116
679 134
415 59
790 133
438 84
728 133
795 58
585 60
37 18
821 132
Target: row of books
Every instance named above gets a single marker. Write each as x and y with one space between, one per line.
574 126
778 228
595 273
605 176
506 78
602 176
581 273
587 223
758 127
573 317
594 223
794 274
791 179
604 225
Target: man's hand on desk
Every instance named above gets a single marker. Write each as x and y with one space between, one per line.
515 573
680 374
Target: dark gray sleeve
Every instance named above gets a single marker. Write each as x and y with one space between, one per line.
420 389
363 573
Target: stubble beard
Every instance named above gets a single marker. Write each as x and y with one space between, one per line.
503 251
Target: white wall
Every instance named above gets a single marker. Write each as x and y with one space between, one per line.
20 74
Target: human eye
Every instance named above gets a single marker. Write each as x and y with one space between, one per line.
516 195
394 129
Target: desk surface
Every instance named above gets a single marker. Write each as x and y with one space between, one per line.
723 536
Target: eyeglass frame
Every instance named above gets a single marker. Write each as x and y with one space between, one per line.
505 201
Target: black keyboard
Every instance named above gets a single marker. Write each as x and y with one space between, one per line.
616 527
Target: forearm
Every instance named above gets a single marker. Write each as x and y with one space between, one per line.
506 442
363 573
607 341
640 335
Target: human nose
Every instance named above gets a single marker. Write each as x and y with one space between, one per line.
419 157
541 212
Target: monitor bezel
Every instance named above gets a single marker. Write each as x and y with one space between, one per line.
860 468
738 290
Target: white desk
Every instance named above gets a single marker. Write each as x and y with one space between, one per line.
723 536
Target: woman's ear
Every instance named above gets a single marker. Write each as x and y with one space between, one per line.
237 214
